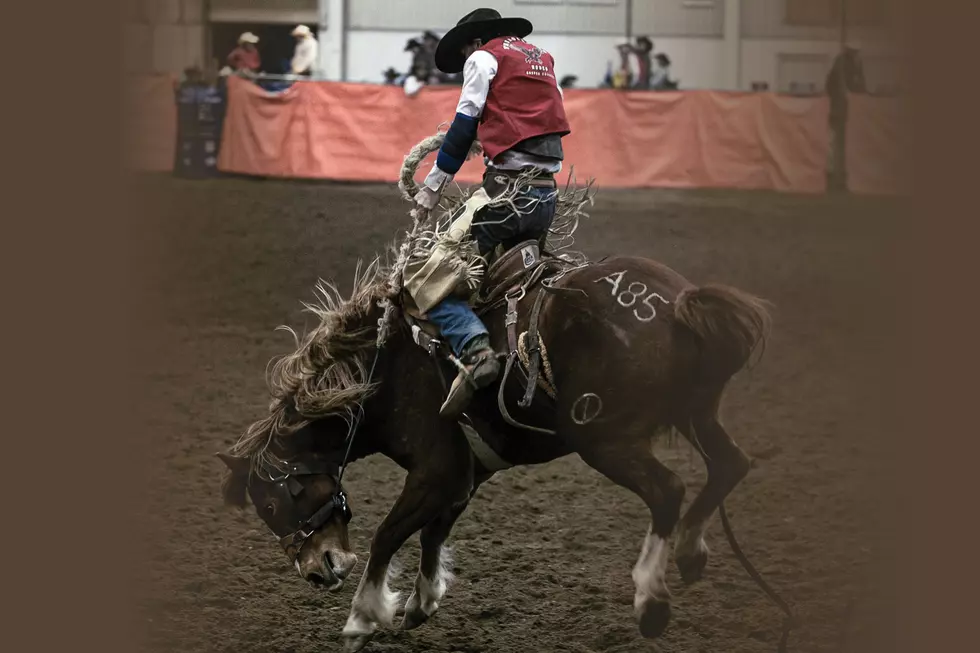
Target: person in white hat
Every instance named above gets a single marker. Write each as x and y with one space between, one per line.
245 57
305 54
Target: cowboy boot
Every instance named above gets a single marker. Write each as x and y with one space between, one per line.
481 369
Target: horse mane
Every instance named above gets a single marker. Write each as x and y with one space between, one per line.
327 373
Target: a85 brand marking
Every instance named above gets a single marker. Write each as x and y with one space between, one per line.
646 311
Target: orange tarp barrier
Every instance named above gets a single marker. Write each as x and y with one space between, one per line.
151 123
362 132
875 137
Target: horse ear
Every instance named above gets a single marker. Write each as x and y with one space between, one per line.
235 483
237 464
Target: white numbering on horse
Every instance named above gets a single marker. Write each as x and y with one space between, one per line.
634 291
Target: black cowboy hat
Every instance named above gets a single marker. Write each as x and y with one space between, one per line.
484 24
412 44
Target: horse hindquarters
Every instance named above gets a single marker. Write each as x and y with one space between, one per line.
612 358
727 325
659 354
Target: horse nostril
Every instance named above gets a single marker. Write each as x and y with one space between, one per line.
339 573
316 578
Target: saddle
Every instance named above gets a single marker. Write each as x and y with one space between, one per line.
512 276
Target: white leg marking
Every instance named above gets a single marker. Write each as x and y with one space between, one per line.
690 542
432 590
650 570
373 604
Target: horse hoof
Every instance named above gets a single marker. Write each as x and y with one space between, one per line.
654 618
355 643
414 618
692 566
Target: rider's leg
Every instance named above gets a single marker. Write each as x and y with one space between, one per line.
457 322
493 225
536 211
470 340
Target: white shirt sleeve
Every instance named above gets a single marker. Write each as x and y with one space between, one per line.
478 71
304 56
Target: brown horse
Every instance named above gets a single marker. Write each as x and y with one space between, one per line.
633 349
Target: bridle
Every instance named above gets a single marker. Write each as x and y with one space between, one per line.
287 489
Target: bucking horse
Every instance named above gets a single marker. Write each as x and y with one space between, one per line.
601 357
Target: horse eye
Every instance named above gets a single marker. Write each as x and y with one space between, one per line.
270 508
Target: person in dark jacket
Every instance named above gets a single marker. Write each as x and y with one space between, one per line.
845 76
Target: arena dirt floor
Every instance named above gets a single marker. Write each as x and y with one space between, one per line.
544 554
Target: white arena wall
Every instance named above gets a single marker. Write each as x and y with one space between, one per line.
714 44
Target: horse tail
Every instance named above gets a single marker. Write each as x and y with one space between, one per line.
730 324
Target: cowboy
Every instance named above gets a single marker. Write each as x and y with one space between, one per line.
512 101
245 57
643 50
305 55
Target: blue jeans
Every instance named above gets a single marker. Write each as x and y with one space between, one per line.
491 226
456 321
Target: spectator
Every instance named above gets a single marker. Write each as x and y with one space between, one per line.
568 81
418 56
393 77
660 75
643 50
307 50
193 76
416 80
430 41
846 76
245 57
623 76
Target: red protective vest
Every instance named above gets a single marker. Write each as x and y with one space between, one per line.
523 101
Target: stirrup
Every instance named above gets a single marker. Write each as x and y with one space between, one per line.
466 384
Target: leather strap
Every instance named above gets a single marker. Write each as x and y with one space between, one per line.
301 468
502 404
511 320
533 351
494 298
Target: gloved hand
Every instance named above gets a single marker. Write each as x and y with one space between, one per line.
427 198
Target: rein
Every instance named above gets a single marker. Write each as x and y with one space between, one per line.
384 322
789 620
